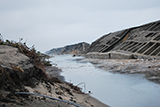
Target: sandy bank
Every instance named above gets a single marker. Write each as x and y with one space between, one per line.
60 91
18 73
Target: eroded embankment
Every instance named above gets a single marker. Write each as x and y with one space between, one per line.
21 72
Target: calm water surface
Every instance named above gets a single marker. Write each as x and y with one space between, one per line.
115 90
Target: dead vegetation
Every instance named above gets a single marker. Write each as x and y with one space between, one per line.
15 78
17 68
2 70
30 52
37 58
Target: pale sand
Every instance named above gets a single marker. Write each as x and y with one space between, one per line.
85 100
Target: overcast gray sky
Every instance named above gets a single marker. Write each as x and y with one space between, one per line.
49 24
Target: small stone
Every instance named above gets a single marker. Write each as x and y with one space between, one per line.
49 91
58 92
17 90
43 98
39 98
71 99
154 78
70 93
47 86
60 97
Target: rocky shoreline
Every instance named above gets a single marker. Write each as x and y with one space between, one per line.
20 73
150 68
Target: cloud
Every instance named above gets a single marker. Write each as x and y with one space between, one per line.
51 23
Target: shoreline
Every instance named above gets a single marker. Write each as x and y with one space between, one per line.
83 99
18 73
150 68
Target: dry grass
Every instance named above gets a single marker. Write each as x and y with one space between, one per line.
30 52
35 56
2 70
17 68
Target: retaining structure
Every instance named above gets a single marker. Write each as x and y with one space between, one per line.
137 42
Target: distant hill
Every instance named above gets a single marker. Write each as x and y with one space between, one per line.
69 49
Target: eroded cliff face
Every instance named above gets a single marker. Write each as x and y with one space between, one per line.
69 49
137 42
16 71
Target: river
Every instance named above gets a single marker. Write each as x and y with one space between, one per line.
113 89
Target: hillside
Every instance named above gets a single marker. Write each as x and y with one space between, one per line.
69 49
137 42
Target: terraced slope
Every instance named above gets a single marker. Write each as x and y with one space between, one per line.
142 41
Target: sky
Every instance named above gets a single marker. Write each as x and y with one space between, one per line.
48 24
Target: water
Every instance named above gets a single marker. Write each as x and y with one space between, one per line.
115 90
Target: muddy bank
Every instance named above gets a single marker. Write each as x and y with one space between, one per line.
151 68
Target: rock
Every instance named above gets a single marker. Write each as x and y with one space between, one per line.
69 49
58 92
60 97
12 56
43 98
71 99
154 78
